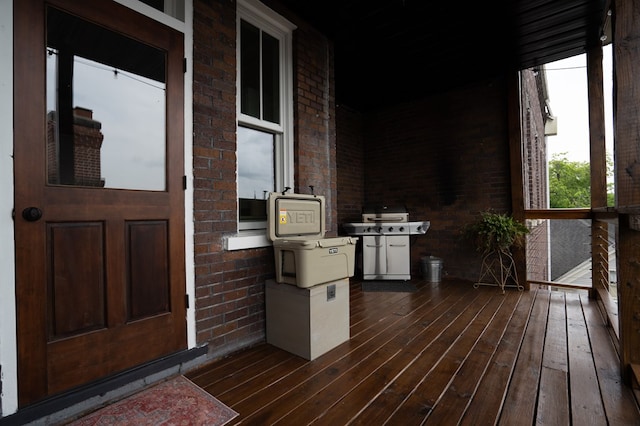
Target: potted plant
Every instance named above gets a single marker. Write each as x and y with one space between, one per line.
493 234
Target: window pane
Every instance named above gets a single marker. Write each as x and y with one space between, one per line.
156 4
271 78
173 8
249 69
255 172
106 112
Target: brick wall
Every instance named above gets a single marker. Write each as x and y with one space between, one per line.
314 100
88 139
230 284
445 158
535 172
350 163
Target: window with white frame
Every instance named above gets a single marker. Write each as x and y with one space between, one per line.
265 117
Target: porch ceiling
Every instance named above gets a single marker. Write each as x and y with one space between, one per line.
394 50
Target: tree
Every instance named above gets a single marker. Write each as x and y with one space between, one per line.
570 182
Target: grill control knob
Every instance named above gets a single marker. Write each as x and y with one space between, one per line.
391 229
402 229
368 229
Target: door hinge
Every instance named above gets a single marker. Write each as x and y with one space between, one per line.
184 183
184 65
186 301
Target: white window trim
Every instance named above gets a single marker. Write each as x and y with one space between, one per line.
267 20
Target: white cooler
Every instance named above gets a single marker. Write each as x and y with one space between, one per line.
296 225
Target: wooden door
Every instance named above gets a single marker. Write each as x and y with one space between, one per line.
99 210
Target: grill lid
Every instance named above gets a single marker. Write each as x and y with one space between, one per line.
375 214
377 209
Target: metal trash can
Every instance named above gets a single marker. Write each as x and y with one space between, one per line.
432 269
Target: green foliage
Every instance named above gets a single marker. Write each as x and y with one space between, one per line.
495 232
569 183
610 186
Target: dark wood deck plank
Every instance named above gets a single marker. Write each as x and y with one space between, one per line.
325 369
455 347
553 396
619 404
211 373
422 332
374 308
239 378
586 402
319 394
245 388
488 398
520 402
466 381
259 408
367 379
420 359
446 354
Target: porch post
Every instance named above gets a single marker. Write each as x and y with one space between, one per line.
515 153
598 166
626 60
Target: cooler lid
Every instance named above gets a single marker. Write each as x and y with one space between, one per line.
295 215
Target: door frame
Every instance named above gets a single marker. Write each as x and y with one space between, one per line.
8 349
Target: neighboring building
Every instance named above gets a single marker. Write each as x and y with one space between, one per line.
536 114
570 245
87 139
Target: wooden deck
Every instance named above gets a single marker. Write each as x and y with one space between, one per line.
446 354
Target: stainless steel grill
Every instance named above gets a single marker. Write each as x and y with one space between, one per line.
386 251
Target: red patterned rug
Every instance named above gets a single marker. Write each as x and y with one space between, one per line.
175 402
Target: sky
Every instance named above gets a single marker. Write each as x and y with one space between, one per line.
567 88
131 110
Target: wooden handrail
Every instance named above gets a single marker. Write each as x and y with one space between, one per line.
558 284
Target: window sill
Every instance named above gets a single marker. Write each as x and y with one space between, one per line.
246 240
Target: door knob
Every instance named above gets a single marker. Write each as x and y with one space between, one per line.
31 214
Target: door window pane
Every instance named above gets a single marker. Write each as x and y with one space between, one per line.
106 107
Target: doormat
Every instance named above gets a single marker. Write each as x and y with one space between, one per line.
175 402
389 286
